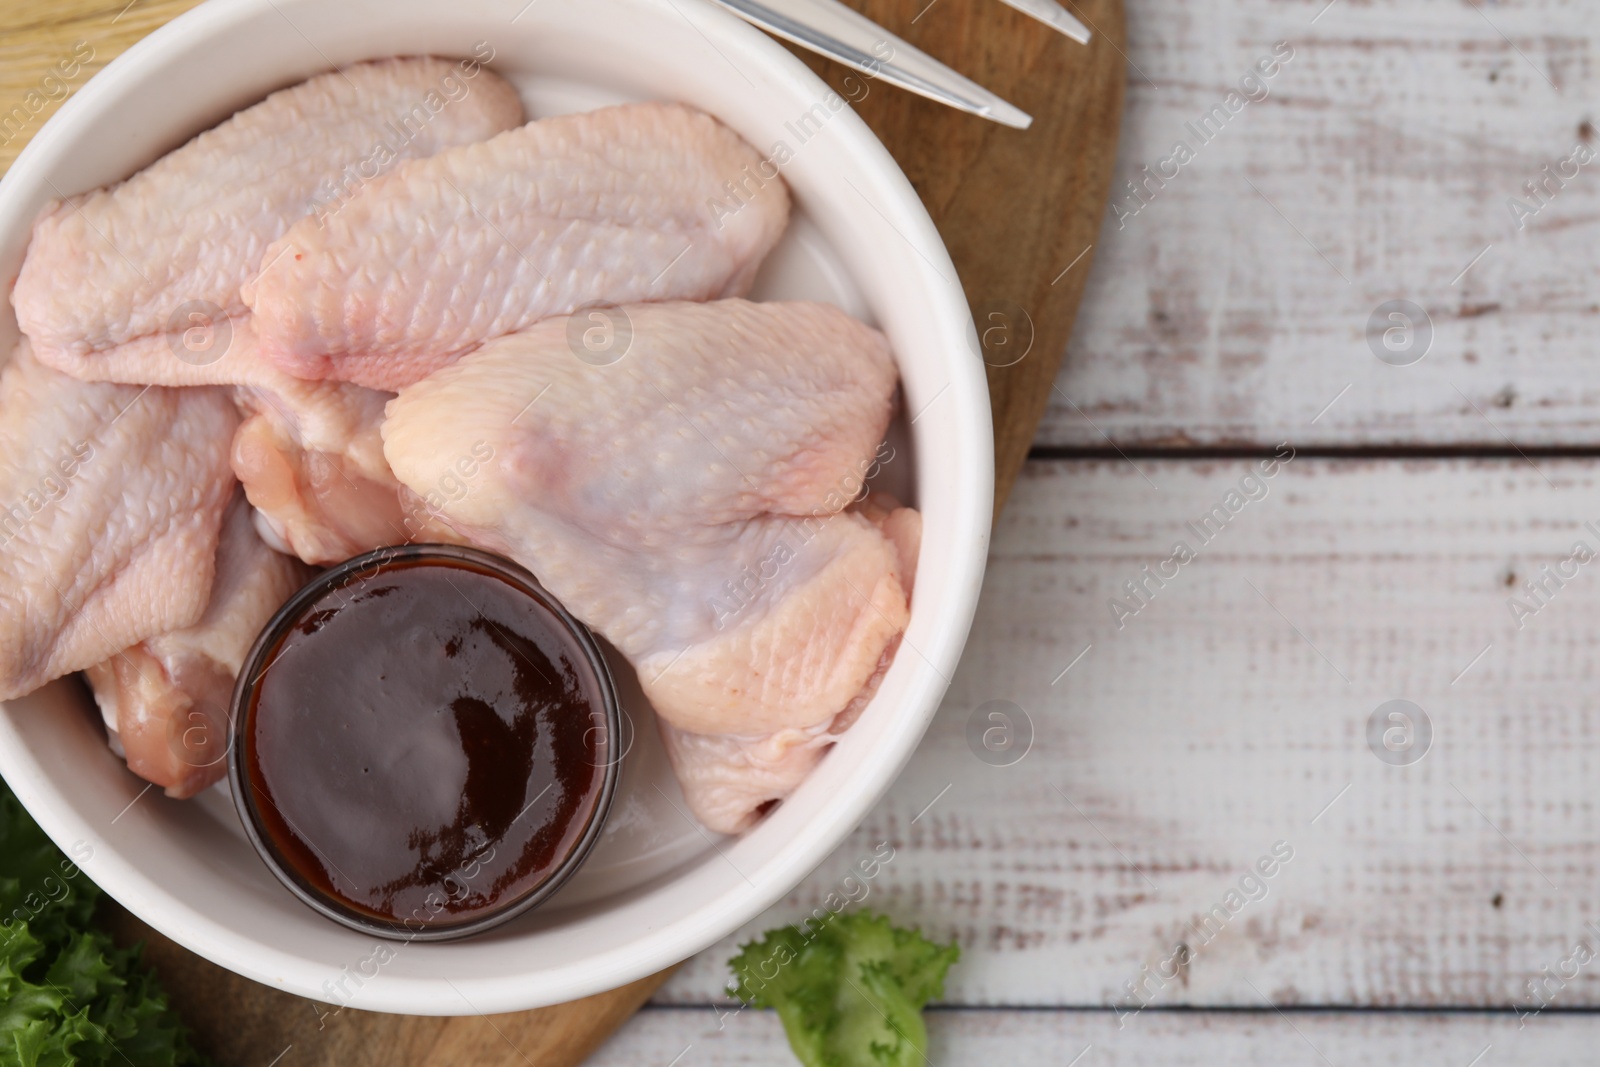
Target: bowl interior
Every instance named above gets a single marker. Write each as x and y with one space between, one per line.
657 887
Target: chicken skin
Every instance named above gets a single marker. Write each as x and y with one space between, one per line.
140 282
113 497
380 307
166 700
690 501
311 460
730 780
622 204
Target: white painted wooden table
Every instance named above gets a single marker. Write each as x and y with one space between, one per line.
1225 713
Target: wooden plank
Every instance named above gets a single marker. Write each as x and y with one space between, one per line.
1187 1039
239 1021
1231 713
1391 142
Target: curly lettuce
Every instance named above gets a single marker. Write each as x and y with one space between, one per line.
849 990
68 995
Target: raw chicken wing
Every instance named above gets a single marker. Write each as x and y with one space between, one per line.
311 460
688 499
731 780
111 498
639 202
166 700
136 282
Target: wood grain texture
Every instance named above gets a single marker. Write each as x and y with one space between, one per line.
1390 145
35 38
1016 208
238 1021
975 179
1186 1039
1231 713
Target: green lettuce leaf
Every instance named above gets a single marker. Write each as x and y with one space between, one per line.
849 990
68 995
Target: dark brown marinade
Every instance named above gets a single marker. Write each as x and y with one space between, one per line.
423 744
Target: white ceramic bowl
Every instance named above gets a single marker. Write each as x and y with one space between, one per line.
657 889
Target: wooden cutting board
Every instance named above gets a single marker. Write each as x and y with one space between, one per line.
1020 212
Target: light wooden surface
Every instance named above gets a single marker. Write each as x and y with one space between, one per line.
41 46
1389 145
1219 720
1038 1039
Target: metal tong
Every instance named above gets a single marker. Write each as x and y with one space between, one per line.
829 28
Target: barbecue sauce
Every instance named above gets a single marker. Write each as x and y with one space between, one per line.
425 744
